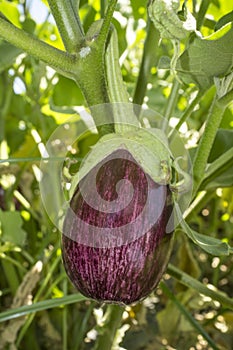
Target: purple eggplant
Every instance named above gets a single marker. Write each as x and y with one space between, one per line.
117 255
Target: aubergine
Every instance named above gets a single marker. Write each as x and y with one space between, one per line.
125 261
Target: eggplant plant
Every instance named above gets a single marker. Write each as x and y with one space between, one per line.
132 196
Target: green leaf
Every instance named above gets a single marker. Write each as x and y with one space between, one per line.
41 305
8 54
207 58
224 20
211 245
220 170
11 227
10 11
222 143
67 93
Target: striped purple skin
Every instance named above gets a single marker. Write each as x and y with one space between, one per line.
117 273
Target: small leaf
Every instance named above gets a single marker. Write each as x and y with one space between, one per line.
220 170
224 20
11 227
61 98
164 62
8 54
222 143
211 245
207 58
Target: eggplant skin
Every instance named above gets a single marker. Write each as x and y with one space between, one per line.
114 272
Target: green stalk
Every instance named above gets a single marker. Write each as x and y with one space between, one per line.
187 112
188 316
108 331
5 104
212 124
82 330
191 282
13 262
68 23
201 13
101 40
10 275
59 60
172 100
227 98
149 59
219 166
91 74
103 5
64 320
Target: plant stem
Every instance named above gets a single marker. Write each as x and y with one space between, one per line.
188 316
64 320
219 166
191 282
227 98
201 13
11 275
212 124
68 23
4 108
107 332
106 23
57 59
187 112
103 5
149 59
172 100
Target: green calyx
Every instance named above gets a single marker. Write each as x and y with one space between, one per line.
149 148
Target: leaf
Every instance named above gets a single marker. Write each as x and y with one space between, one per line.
8 54
11 227
67 93
222 143
223 180
224 20
177 322
220 170
211 245
207 58
10 11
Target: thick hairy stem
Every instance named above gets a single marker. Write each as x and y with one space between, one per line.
59 60
106 23
212 124
68 23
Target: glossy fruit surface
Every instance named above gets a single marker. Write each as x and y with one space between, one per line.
119 253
